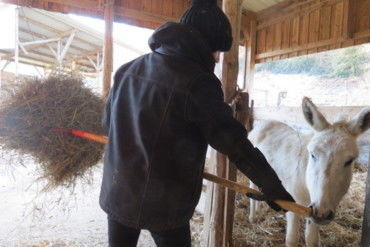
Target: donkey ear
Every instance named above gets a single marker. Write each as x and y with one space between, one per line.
360 123
313 116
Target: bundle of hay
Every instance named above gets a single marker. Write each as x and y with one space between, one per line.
33 108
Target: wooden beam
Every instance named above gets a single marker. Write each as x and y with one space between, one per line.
16 49
31 45
143 16
222 210
276 8
247 17
361 35
108 47
84 55
298 48
230 61
230 69
283 8
56 31
335 41
73 47
92 8
38 42
251 46
295 13
118 10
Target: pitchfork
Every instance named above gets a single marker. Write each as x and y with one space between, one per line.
286 205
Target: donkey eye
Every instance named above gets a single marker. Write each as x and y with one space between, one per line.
313 157
349 162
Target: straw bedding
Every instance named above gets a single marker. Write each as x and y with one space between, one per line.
269 230
29 110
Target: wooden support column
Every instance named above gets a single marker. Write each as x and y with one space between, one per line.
230 69
108 46
365 239
250 45
222 209
16 48
230 63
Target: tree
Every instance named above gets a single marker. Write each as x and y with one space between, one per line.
350 62
344 63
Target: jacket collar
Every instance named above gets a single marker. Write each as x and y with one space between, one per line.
176 39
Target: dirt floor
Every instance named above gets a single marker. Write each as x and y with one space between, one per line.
29 218
60 218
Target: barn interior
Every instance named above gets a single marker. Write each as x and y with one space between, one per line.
268 30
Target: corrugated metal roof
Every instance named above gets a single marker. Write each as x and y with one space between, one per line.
84 52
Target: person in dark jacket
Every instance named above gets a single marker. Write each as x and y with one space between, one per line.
162 112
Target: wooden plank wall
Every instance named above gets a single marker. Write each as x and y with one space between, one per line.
302 27
142 13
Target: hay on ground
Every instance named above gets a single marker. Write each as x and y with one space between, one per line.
33 107
269 230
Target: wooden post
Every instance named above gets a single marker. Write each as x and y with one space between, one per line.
230 62
16 48
251 56
222 209
108 46
365 239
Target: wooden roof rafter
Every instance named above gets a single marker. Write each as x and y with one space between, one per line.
63 35
56 31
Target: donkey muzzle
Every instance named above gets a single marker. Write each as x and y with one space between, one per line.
322 216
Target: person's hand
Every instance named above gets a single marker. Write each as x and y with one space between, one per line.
270 196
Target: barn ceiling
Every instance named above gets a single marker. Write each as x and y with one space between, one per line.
258 5
144 13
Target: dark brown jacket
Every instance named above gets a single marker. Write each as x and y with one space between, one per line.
163 110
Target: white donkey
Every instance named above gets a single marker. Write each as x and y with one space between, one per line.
316 169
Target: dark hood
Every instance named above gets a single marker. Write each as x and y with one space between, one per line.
175 39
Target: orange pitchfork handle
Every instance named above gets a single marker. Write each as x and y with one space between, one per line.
287 205
86 135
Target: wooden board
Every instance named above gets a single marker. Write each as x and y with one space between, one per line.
309 26
143 13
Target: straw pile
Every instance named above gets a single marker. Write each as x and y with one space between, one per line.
269 230
33 107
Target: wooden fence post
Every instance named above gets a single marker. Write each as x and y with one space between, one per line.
365 239
222 201
108 46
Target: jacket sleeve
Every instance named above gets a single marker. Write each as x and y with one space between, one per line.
205 108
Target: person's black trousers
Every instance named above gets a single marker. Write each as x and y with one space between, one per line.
123 236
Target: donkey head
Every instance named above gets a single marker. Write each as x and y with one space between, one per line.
332 151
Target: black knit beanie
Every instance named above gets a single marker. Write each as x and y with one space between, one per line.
211 22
